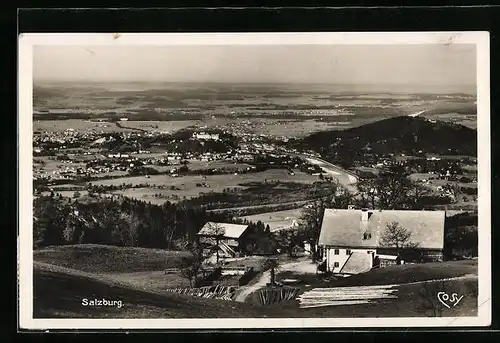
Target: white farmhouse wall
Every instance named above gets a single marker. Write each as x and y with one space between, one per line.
341 258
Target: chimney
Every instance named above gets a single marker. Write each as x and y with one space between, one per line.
364 214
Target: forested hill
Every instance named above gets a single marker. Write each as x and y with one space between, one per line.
408 135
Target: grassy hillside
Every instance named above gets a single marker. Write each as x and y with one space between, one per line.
58 292
411 273
104 258
417 292
389 275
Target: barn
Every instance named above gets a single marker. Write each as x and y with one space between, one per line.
229 236
352 241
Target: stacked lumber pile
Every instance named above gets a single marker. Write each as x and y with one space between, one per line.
210 292
270 296
319 297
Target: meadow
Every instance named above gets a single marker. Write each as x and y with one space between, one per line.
79 125
186 186
277 219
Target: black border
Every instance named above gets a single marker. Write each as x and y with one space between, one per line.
269 19
484 18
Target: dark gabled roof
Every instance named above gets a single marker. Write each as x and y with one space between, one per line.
344 228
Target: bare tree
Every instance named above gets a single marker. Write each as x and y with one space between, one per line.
192 265
396 236
216 231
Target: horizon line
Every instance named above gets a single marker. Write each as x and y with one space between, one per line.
250 83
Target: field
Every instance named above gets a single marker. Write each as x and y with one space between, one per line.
277 219
186 186
79 125
205 165
215 181
96 258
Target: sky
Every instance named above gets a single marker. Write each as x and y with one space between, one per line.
429 64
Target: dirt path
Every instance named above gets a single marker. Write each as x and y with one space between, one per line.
303 267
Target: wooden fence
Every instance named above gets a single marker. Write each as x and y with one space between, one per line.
210 292
270 296
320 297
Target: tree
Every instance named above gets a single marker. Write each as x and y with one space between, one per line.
388 190
216 231
272 265
367 192
395 236
287 239
417 193
460 235
191 266
342 198
311 217
311 220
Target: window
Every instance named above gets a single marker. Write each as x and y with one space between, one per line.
335 265
336 252
348 252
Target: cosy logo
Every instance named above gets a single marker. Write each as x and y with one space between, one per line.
447 300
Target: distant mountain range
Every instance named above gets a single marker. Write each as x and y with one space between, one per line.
404 134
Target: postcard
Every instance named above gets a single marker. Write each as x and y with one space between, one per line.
254 180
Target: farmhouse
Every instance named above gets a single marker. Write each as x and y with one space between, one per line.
228 236
352 241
